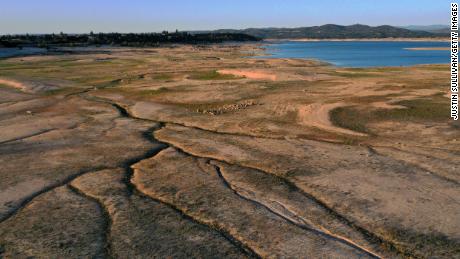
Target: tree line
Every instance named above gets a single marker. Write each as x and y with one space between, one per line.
119 39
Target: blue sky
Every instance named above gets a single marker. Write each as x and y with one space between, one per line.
43 16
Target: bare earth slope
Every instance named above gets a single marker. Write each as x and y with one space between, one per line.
200 152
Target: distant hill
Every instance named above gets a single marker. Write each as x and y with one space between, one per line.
436 28
332 31
442 31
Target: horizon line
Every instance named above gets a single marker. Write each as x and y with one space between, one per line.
210 30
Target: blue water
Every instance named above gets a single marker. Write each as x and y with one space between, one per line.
362 53
12 52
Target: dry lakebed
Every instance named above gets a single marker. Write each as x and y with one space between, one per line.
204 152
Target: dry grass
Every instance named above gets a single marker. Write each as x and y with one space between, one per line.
350 118
433 109
424 245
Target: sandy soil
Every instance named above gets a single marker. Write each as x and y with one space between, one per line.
35 86
317 115
385 105
251 74
14 84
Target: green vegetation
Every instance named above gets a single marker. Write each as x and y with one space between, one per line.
417 110
292 85
108 84
375 69
10 88
350 118
350 74
410 84
274 85
211 75
146 93
162 76
364 72
434 109
441 68
370 98
74 72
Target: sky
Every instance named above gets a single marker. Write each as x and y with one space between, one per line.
82 16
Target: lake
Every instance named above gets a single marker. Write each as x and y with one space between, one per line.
12 52
362 53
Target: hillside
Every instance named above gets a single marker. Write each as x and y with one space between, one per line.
330 31
437 28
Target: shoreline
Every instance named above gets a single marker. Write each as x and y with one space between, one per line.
365 39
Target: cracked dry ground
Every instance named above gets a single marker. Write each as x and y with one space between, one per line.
152 153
